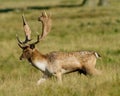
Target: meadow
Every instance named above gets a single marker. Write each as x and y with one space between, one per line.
73 28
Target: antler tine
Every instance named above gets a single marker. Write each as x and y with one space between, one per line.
44 14
46 24
21 42
20 46
38 40
18 39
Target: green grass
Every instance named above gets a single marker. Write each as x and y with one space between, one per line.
74 28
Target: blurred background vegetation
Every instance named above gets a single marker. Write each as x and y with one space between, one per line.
77 25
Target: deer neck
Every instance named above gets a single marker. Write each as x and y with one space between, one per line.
37 56
38 60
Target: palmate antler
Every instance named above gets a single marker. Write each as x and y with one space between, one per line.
46 24
27 31
46 27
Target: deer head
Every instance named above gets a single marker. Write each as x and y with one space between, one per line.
28 49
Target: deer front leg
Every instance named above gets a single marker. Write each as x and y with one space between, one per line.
41 80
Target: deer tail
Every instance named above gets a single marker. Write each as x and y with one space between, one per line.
97 55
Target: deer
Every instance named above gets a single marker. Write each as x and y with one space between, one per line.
55 63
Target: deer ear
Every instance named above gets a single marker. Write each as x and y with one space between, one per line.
32 46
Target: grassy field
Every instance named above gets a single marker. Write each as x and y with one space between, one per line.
74 28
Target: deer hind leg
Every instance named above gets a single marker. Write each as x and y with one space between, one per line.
97 72
81 71
58 75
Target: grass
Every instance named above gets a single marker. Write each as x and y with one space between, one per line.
74 28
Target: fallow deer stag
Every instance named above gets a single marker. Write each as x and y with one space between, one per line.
55 63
